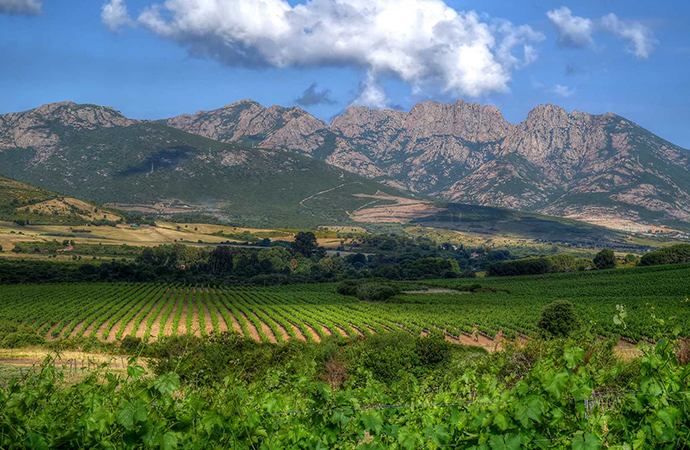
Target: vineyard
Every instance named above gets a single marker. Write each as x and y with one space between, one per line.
467 311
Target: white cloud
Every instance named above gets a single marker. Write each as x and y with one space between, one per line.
576 31
573 31
562 91
114 15
371 94
641 37
425 43
28 7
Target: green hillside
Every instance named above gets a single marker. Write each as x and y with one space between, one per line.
25 203
147 163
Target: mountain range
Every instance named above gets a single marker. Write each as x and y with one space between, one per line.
599 168
276 164
97 154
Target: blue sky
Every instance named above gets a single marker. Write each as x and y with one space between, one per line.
150 67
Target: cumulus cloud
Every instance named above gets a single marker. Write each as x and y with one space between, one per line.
576 31
425 43
562 91
573 31
371 94
27 7
312 96
641 37
114 15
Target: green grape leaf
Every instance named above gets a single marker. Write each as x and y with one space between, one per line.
573 356
372 422
586 441
131 413
167 384
169 441
505 441
531 409
501 421
555 384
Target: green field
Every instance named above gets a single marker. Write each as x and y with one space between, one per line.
498 308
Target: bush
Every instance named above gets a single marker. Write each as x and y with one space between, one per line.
13 335
605 259
376 291
131 344
528 266
559 319
349 287
674 254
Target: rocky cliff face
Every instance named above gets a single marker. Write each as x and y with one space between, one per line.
572 164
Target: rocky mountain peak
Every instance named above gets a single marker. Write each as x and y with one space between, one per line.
247 102
32 128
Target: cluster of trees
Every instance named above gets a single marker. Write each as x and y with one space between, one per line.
561 262
674 254
301 261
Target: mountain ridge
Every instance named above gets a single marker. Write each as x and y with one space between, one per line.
574 164
600 168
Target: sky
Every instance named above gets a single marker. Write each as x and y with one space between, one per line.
153 59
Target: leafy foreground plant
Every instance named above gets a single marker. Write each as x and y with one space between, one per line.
559 395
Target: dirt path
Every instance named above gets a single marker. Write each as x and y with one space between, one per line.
250 326
283 332
326 331
313 332
298 332
51 330
267 331
168 327
356 329
222 326
141 330
196 326
80 325
207 312
184 304
341 330
325 191
114 329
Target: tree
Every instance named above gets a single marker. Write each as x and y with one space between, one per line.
605 259
0 248
305 243
559 319
220 260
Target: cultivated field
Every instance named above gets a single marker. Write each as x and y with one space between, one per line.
473 311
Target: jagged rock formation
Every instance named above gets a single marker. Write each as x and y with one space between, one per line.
569 164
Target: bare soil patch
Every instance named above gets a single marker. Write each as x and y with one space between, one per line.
396 209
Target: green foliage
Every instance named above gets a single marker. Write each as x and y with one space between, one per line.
305 244
563 394
605 259
559 319
674 254
376 291
528 266
365 289
13 335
